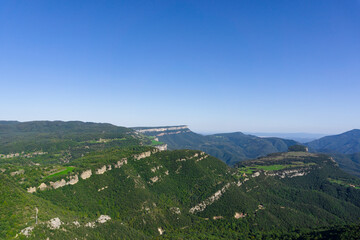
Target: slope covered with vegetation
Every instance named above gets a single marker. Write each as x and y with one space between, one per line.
228 147
345 149
346 143
120 186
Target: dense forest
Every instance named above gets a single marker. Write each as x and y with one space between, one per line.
113 183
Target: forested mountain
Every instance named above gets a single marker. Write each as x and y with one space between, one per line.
348 162
54 135
229 147
345 149
346 143
121 187
234 147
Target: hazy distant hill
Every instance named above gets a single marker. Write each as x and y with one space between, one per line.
298 137
346 143
229 147
348 162
345 148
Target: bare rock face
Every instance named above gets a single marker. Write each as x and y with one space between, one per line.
90 224
103 188
142 155
163 129
290 173
76 223
161 231
31 189
239 215
103 219
27 231
101 170
120 163
175 210
154 169
73 180
42 187
161 147
154 179
21 171
86 174
54 223
216 196
58 184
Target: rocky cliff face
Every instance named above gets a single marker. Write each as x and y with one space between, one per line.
162 147
73 179
161 129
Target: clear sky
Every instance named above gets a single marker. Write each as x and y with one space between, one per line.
217 66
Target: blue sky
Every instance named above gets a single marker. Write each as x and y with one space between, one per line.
217 66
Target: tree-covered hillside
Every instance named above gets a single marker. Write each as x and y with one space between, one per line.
348 162
345 148
119 186
229 147
17 137
346 143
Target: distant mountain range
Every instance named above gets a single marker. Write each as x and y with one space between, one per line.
346 143
344 147
234 147
229 147
74 180
299 137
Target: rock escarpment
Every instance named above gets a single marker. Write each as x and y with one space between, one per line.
73 179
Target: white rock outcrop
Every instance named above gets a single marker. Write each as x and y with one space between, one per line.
21 171
73 180
90 224
42 186
54 223
175 210
180 160
103 219
201 158
162 147
163 129
154 179
161 231
101 170
216 196
239 215
27 231
57 184
121 162
86 174
154 169
31 189
142 155
76 223
289 173
103 188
